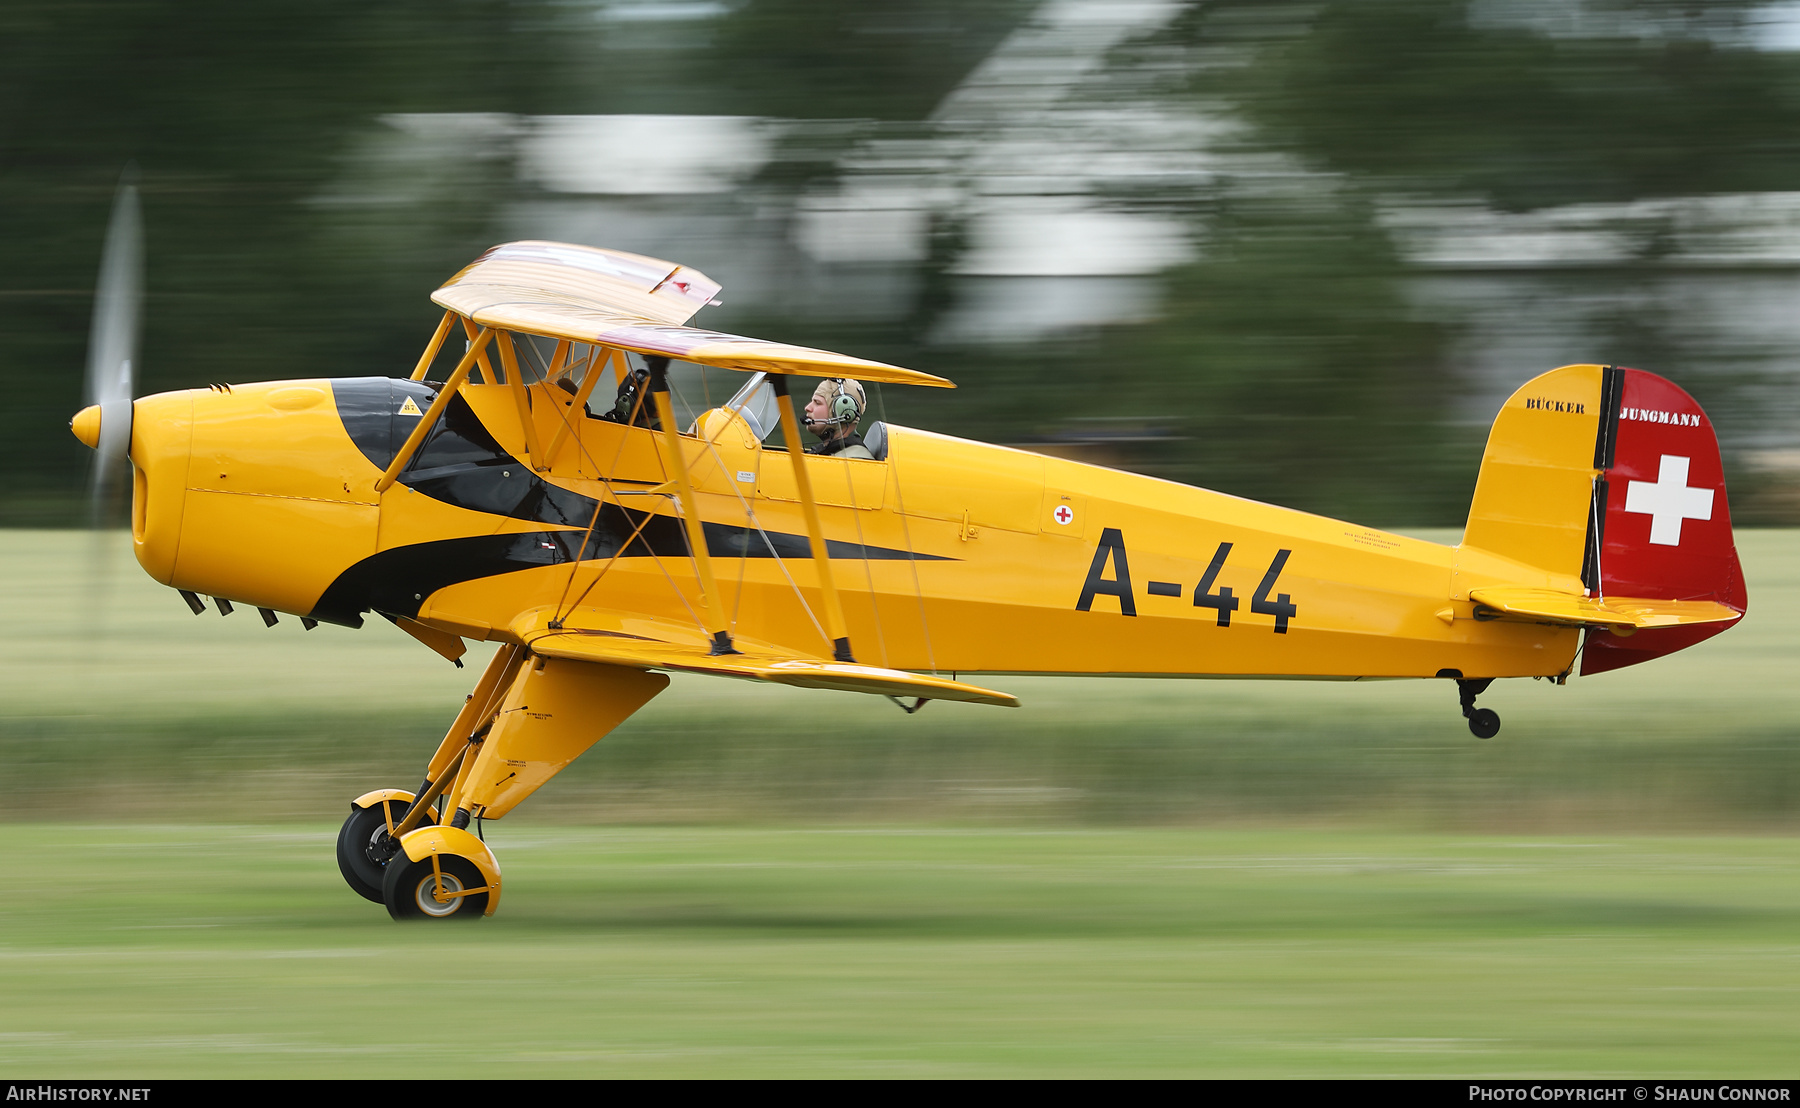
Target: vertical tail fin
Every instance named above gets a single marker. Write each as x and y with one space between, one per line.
1666 528
1609 481
1535 493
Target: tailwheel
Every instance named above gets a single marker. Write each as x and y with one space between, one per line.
364 846
442 886
1484 723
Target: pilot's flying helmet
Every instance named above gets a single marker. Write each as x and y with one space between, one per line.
844 399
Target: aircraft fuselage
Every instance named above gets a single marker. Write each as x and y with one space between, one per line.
950 555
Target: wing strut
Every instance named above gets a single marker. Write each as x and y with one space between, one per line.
488 376
516 381
432 347
596 364
430 418
716 624
834 612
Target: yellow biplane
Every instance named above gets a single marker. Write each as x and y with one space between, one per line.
544 497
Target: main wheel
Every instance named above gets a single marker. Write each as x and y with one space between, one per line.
409 889
1484 723
364 847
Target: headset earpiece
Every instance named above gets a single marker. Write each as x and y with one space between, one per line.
844 408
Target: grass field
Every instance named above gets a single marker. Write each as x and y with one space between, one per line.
1121 878
218 950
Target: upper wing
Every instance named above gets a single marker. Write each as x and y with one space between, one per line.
1551 606
659 644
625 284
611 298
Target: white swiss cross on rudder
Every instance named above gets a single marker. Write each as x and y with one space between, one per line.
1669 501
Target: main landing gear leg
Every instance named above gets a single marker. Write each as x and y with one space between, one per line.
424 864
1484 723
397 843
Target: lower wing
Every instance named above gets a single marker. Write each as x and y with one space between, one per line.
659 644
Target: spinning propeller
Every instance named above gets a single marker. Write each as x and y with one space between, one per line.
105 424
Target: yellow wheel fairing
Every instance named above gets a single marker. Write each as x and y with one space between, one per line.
420 844
370 799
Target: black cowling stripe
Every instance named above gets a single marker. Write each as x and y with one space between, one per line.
397 581
461 464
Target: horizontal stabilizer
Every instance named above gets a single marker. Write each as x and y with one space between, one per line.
1551 606
655 644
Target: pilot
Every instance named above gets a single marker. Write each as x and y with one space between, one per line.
836 407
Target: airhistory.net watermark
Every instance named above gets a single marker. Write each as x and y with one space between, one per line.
52 1093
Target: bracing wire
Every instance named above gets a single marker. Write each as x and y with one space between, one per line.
560 613
868 571
679 595
780 563
737 598
906 531
564 412
531 357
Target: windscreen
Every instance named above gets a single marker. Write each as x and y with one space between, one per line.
758 404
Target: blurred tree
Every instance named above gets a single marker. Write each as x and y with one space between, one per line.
1423 95
825 59
1296 371
1287 364
235 114
263 260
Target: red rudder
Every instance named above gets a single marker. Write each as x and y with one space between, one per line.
1665 532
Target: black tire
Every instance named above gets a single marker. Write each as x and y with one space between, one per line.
360 857
1484 723
407 889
